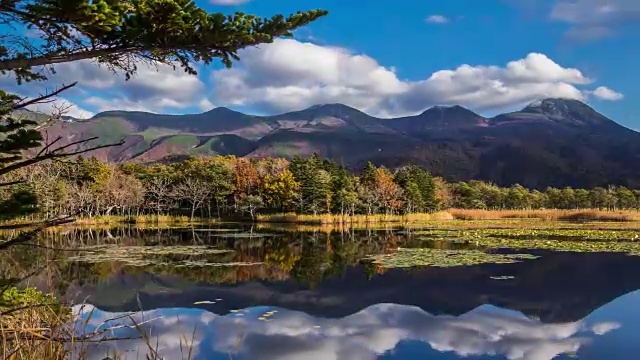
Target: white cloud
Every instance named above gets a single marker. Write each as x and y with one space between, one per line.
595 19
160 88
290 75
32 90
588 33
603 328
63 106
604 93
437 19
365 335
205 105
102 104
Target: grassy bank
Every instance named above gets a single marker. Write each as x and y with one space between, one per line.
363 220
548 215
351 219
114 219
454 214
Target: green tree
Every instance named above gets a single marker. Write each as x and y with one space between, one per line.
601 198
582 198
626 199
344 192
419 188
315 184
119 33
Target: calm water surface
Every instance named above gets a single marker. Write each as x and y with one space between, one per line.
306 295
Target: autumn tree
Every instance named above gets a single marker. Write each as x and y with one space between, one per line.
194 191
158 191
279 192
247 185
119 35
386 191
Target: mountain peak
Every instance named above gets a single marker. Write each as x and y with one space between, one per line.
449 109
568 111
221 110
332 107
454 116
553 103
336 110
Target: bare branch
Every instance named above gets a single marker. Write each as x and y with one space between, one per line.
54 155
30 235
45 148
42 98
13 183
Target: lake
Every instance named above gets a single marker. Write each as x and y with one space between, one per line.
234 291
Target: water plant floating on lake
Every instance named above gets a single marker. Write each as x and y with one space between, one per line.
576 240
177 256
406 258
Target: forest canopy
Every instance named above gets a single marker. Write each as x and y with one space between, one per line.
222 186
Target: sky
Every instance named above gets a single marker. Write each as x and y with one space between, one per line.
397 59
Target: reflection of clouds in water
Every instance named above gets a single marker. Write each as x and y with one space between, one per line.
365 335
605 327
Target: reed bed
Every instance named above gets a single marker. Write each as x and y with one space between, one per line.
140 219
34 325
547 215
338 219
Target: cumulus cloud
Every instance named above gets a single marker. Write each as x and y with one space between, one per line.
290 75
595 19
437 19
604 93
62 105
32 90
365 335
160 88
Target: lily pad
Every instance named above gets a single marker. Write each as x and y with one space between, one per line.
405 258
151 255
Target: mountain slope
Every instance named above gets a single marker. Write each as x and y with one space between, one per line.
551 142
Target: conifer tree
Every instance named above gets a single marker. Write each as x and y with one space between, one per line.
119 35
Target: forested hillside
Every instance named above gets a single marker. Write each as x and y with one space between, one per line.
552 142
222 186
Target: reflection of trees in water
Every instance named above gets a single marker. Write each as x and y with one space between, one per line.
308 256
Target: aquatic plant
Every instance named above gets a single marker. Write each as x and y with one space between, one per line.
178 256
405 258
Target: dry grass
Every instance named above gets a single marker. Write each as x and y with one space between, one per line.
31 325
36 326
547 215
338 219
141 219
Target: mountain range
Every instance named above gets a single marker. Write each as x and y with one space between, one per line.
550 142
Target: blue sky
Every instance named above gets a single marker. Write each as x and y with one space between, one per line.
401 58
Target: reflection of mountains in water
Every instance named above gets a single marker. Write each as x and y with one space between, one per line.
397 331
557 287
